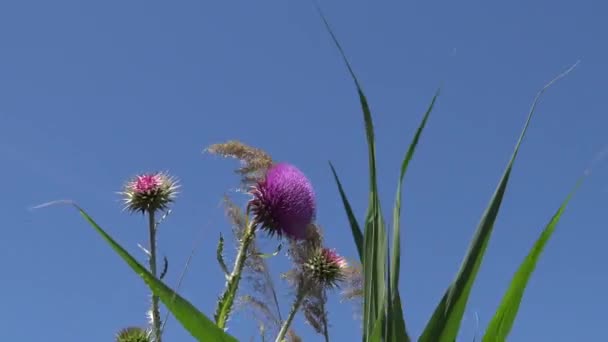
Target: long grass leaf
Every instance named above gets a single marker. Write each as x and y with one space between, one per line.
398 329
397 321
201 327
502 322
445 321
374 241
354 225
396 254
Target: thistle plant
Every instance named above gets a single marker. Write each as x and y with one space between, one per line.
283 202
322 269
133 334
149 194
282 205
262 299
326 268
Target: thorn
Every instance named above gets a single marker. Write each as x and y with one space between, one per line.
144 249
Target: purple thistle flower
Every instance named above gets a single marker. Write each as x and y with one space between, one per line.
149 192
147 183
283 202
326 267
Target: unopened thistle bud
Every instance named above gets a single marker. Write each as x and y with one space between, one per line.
283 202
149 192
326 267
133 334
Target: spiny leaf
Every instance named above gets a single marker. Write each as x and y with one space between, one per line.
256 271
163 273
220 255
270 255
163 218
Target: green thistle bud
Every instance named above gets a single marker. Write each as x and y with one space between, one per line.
326 267
149 192
133 334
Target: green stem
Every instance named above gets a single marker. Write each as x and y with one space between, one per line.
325 332
152 259
224 306
294 309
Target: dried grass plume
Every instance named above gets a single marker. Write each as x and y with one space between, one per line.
254 161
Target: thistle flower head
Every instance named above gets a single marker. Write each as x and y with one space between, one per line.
283 202
149 192
133 334
326 267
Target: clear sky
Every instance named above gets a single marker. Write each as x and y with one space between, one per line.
93 92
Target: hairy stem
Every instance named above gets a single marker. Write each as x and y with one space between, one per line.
152 259
224 306
325 332
294 309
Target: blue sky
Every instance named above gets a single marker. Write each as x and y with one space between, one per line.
94 92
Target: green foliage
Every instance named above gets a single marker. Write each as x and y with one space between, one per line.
383 315
354 225
396 326
220 255
201 327
502 322
382 311
445 322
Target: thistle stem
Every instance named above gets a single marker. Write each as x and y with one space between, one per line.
224 306
294 309
152 259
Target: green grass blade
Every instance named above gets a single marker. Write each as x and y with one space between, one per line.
445 321
201 327
502 322
374 240
354 225
398 329
378 331
375 282
395 261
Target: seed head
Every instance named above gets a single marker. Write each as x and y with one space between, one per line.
149 192
283 202
326 267
133 334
